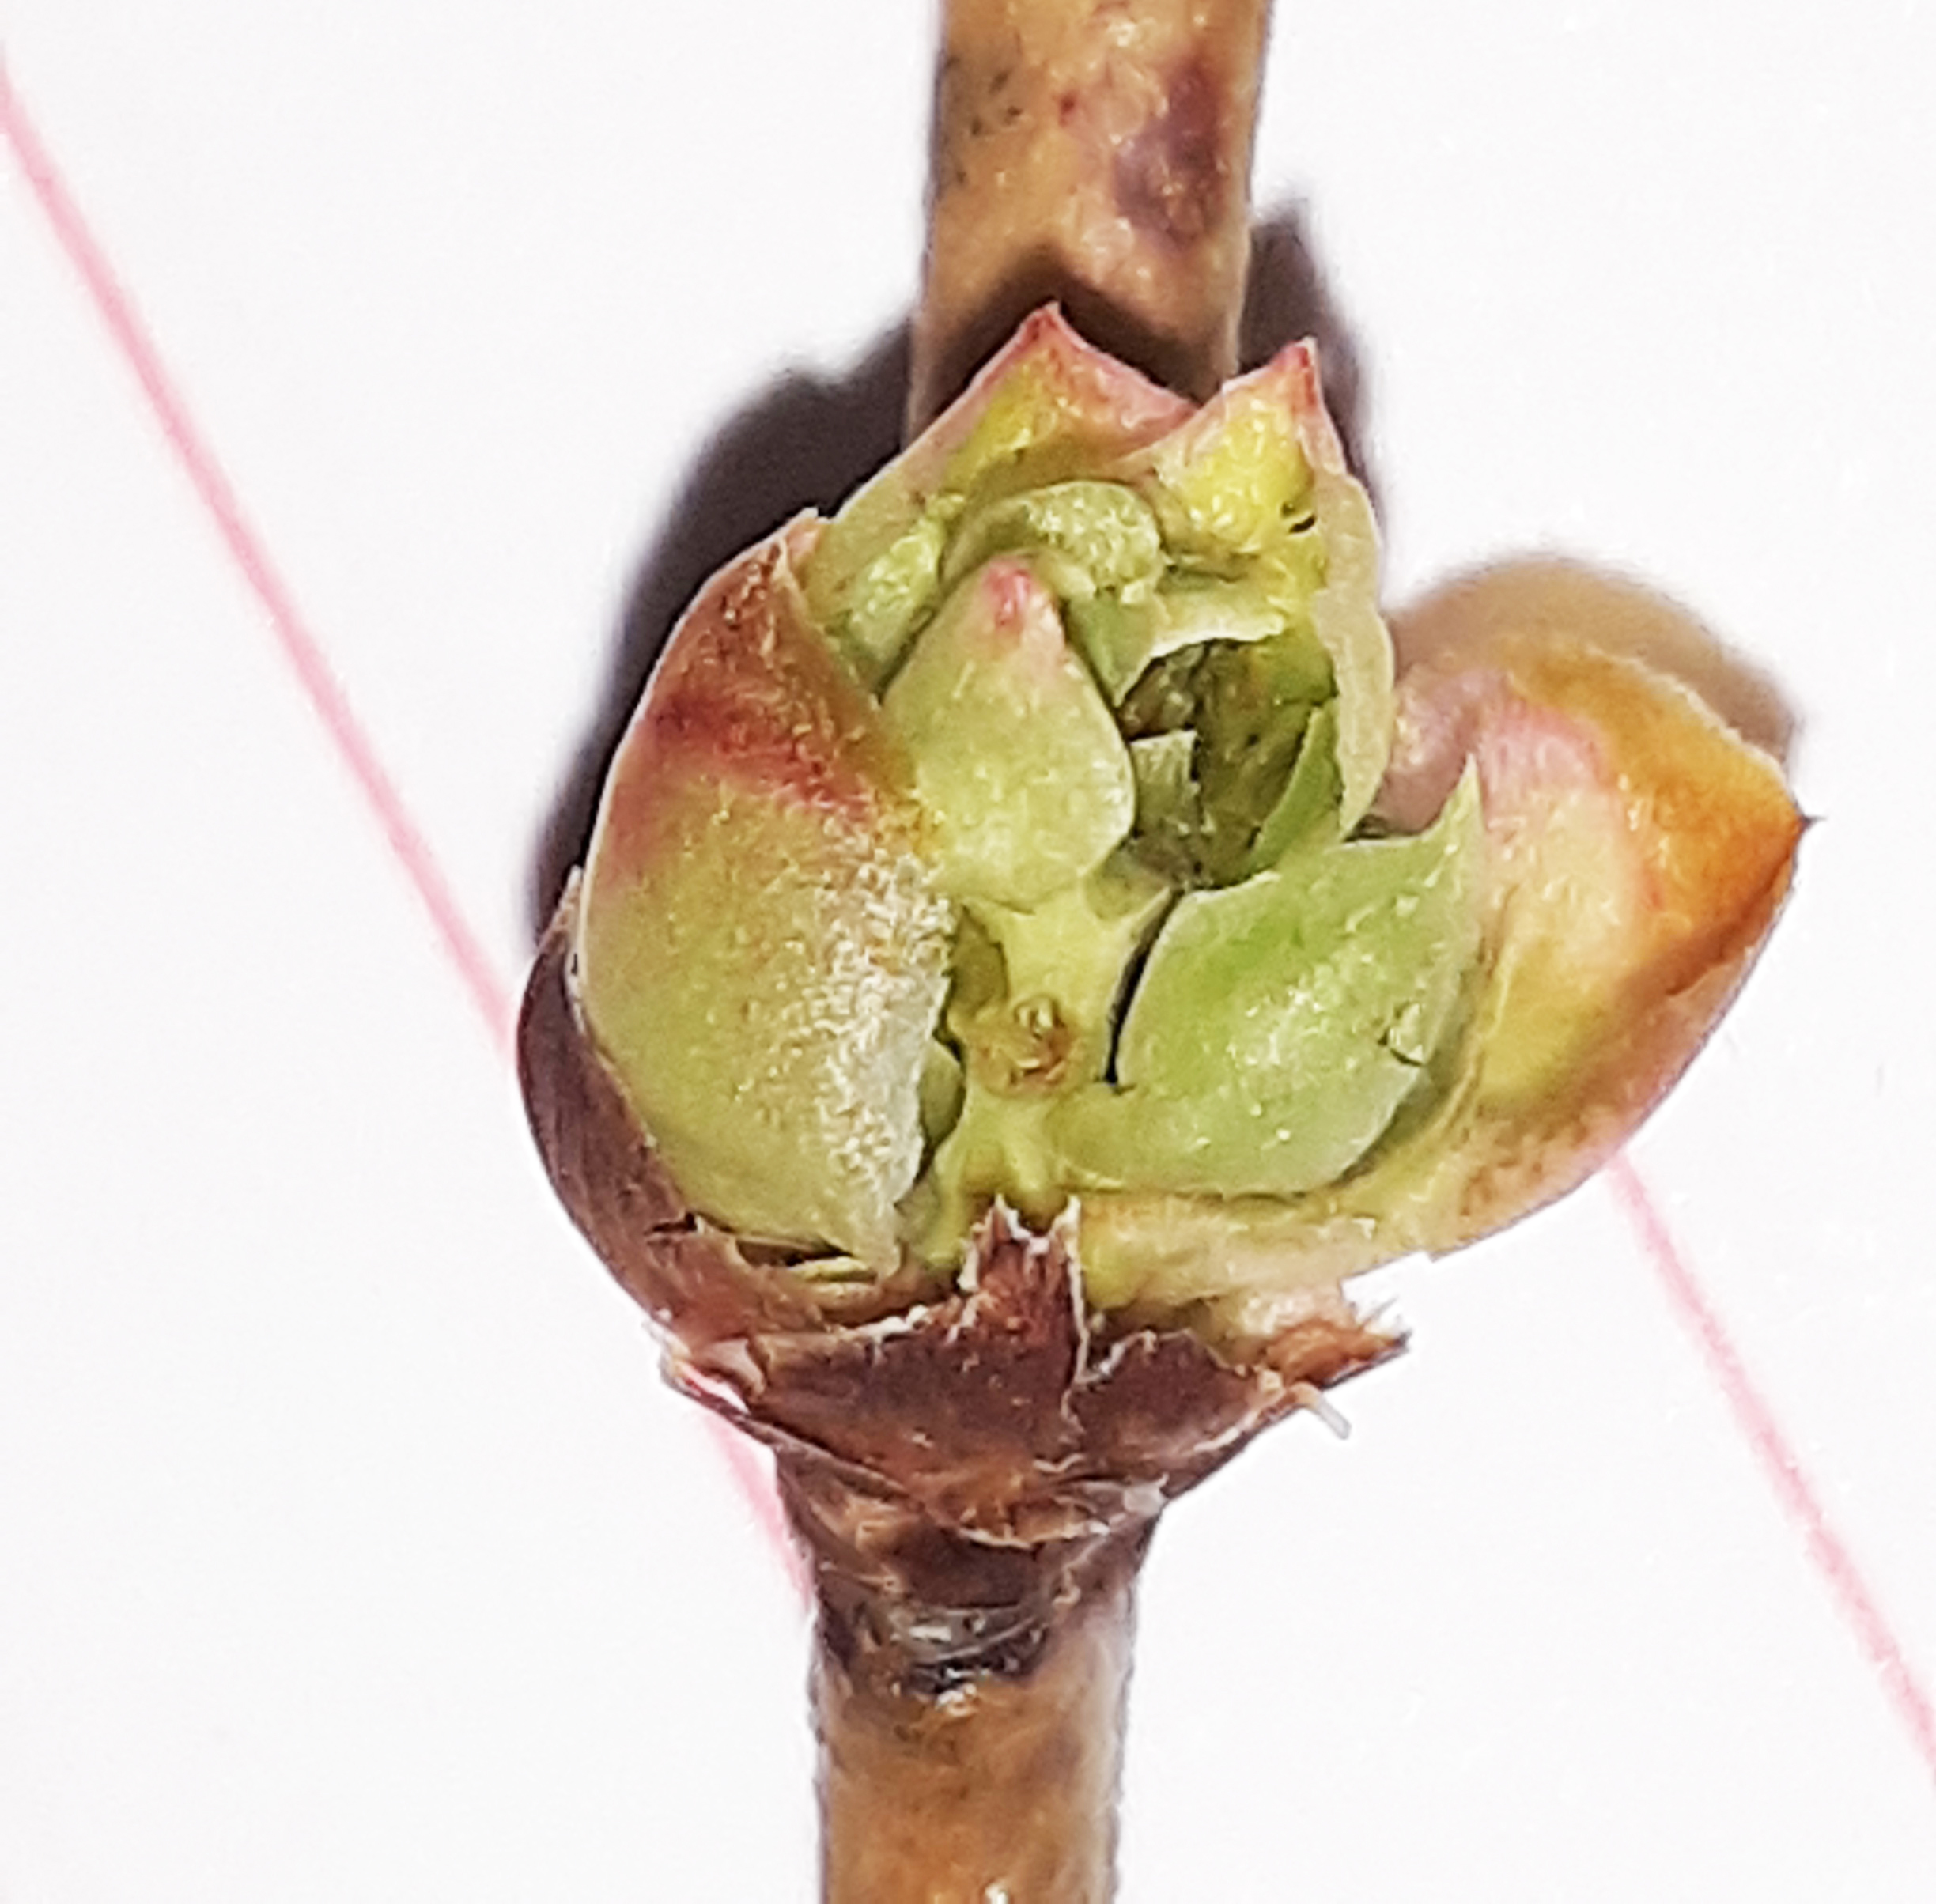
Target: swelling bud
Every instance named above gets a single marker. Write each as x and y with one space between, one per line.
1053 831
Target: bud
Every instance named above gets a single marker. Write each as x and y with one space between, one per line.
1047 830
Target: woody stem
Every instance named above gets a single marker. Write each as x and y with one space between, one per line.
969 1704
1098 154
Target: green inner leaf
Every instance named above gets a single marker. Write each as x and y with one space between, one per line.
1145 699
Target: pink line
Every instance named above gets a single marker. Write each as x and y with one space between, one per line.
752 1471
304 652
300 647
1777 1456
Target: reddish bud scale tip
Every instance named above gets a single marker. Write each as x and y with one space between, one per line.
747 695
1045 382
1012 591
1089 386
1023 616
1292 379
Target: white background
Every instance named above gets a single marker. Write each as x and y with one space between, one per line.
349 1549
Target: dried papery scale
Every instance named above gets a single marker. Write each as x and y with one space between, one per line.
1034 951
